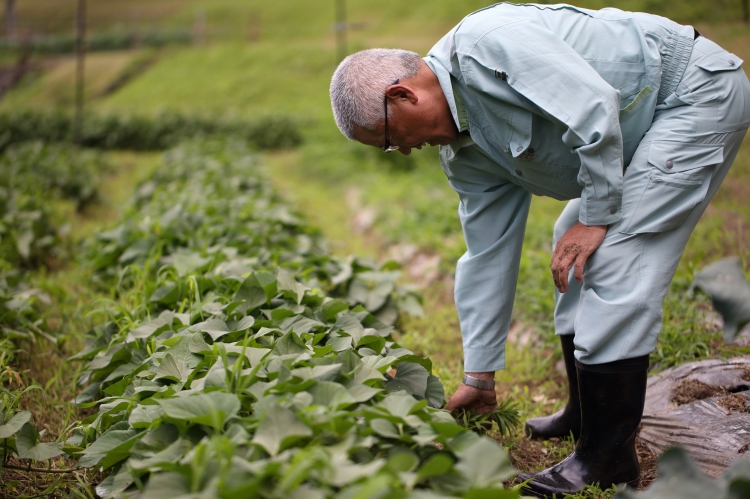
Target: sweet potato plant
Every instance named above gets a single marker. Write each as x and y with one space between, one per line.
241 359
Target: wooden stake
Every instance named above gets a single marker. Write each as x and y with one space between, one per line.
10 19
80 60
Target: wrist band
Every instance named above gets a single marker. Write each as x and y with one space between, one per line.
482 384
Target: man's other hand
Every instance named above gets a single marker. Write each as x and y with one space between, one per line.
574 248
473 399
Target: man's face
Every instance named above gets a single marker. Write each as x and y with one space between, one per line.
418 118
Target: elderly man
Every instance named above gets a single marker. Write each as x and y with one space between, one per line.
632 117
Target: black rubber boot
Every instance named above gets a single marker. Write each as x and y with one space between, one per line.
568 419
612 398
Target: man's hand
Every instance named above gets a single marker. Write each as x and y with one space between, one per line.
575 247
474 399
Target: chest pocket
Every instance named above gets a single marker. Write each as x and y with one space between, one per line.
660 193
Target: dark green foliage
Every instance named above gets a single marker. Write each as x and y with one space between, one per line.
28 237
142 133
250 363
57 171
679 478
116 39
32 176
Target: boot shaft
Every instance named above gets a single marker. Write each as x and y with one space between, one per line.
612 400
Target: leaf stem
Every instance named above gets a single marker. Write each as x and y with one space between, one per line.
39 470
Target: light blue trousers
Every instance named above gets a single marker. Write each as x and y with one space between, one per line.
616 312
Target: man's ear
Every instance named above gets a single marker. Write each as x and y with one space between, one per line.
401 91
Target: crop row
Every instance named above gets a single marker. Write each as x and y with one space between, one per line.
143 133
242 359
116 39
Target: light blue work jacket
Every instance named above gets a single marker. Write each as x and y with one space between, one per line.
550 100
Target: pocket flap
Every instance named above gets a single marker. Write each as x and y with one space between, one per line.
720 61
673 157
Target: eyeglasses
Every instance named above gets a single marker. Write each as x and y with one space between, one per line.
388 147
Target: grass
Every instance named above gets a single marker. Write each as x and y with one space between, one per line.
287 71
47 380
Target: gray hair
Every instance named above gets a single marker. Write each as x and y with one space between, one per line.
359 83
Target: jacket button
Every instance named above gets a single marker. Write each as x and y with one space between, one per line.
669 164
519 148
519 173
613 210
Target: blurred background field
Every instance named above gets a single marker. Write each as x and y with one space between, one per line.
250 61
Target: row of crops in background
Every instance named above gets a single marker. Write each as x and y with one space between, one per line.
44 182
38 170
240 358
113 39
144 133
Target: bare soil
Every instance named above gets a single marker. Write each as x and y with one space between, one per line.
691 390
734 402
531 455
647 460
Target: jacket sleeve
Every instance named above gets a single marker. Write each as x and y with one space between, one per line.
493 215
544 69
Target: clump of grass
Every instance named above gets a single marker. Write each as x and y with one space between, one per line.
503 420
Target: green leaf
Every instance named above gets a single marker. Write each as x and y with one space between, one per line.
437 465
362 393
150 328
290 343
216 328
165 294
332 308
14 424
115 483
198 344
330 394
376 343
210 409
410 305
484 464
251 292
410 377
384 428
435 394
291 288
492 493
409 357
185 262
143 416
278 428
171 454
401 404
29 446
169 484
244 323
402 462
679 478
112 447
172 369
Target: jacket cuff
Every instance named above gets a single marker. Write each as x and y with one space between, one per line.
482 360
600 213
